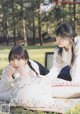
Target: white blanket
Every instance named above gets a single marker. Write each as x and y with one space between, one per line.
42 93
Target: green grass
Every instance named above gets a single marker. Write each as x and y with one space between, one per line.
20 110
75 110
38 52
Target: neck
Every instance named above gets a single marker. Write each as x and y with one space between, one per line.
66 49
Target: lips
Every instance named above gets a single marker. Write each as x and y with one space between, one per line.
16 67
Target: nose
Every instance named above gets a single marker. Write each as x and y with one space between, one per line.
58 41
15 62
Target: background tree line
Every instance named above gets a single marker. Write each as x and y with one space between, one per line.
22 20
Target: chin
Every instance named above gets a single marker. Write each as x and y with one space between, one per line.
60 46
16 68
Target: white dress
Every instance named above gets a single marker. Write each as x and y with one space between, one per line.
6 84
60 62
32 92
42 92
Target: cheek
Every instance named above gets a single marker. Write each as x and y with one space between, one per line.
66 43
22 63
11 63
60 43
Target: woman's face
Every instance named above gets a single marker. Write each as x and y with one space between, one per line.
63 42
16 63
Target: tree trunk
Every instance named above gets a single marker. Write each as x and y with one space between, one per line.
24 25
33 31
24 33
70 12
74 12
14 29
39 24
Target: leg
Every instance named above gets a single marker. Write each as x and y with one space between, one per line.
65 74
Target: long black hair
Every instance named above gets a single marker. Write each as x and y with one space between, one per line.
67 30
18 52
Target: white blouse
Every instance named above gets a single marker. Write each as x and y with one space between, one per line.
60 62
6 83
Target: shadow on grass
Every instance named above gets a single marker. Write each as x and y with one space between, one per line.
29 47
40 47
20 110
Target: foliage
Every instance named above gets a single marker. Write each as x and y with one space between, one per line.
75 110
22 19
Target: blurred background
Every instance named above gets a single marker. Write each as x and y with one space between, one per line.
33 22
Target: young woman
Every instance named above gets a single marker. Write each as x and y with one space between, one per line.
66 61
20 66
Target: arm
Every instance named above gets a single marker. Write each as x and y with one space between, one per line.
5 83
57 65
5 77
75 70
9 74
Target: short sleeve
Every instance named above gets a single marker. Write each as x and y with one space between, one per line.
35 66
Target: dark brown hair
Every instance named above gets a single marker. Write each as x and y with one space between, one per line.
18 52
66 30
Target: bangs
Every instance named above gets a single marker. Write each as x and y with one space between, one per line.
64 36
18 52
16 56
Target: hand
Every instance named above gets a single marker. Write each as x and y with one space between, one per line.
10 70
22 71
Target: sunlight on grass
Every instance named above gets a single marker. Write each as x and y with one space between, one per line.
74 110
39 54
